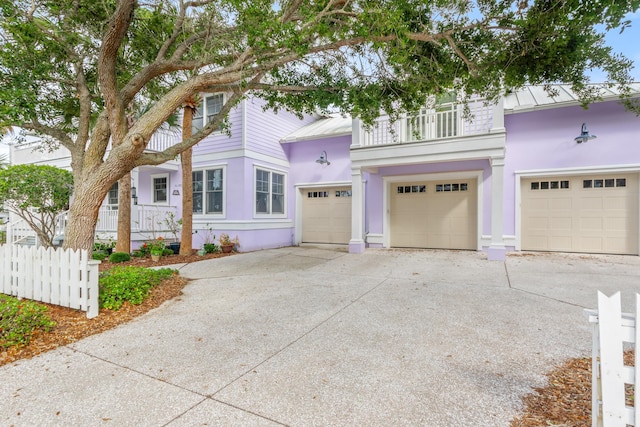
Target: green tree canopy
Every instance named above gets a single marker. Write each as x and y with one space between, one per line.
76 72
37 194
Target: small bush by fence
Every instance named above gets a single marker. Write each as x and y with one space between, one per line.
56 276
611 330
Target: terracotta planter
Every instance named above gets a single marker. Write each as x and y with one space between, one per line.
155 257
226 248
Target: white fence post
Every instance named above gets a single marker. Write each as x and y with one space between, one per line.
611 329
56 276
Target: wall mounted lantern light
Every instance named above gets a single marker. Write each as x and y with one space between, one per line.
323 159
584 135
134 195
176 192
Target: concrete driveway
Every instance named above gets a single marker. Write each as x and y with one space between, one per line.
318 337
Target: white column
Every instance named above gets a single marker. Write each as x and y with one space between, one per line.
497 117
356 244
497 250
356 133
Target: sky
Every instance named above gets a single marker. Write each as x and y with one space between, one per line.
627 43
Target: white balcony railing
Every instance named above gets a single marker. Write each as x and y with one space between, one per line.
446 121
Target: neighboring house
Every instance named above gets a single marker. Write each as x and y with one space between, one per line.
512 177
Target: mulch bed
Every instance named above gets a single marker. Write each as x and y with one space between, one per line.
566 400
73 325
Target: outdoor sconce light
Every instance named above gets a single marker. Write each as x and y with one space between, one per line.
134 195
584 135
323 159
176 192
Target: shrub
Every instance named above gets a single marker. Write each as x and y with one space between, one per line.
20 319
117 257
167 252
131 284
137 254
99 255
211 248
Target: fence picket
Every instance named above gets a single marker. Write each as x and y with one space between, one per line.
611 329
611 363
55 276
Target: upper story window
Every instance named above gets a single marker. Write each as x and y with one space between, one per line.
269 196
112 196
207 110
208 191
160 186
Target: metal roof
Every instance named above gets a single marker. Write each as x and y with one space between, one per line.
323 128
528 98
531 98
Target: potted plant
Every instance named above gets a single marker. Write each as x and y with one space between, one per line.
227 243
155 248
174 226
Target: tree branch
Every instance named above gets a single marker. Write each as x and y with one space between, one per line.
107 65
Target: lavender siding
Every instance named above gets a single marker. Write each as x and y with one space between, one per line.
266 128
303 155
545 140
218 141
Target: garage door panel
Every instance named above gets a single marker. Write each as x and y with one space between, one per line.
434 214
326 215
597 214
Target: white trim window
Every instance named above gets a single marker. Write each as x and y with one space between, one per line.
209 191
270 193
112 197
160 189
207 110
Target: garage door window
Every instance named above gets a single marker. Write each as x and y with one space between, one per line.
550 185
441 188
604 183
406 189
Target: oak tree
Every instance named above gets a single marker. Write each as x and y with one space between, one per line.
74 71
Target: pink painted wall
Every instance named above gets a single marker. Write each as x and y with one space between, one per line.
545 140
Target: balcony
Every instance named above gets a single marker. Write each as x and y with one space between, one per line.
443 133
431 124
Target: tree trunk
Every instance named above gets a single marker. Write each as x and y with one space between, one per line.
186 159
123 242
83 216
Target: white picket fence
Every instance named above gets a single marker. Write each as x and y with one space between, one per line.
611 330
56 276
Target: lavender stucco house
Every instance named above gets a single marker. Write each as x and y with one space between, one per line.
514 176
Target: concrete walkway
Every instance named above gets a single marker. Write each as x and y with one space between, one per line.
315 337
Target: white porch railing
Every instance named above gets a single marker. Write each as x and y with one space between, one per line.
56 276
611 330
445 121
144 219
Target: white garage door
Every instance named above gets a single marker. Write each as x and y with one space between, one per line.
326 215
590 213
434 214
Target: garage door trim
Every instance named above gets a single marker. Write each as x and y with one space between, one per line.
300 192
524 174
388 181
